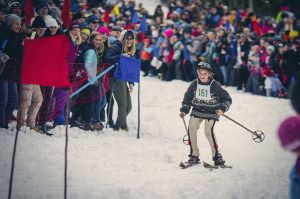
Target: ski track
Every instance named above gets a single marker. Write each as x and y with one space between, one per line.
116 165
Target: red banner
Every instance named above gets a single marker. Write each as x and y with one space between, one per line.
45 62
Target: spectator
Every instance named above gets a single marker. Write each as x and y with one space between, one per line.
289 136
9 77
31 97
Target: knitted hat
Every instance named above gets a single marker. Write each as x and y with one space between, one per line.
104 30
92 18
147 40
86 30
295 94
78 15
271 48
129 33
13 4
50 22
196 33
187 30
116 28
169 33
289 133
12 18
74 25
42 4
38 22
267 72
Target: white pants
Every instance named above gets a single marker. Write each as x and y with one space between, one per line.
209 133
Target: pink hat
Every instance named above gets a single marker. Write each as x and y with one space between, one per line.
104 30
169 33
289 133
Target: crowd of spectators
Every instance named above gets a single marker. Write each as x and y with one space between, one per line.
256 54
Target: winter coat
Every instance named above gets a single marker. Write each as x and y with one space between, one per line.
90 63
273 63
196 47
146 54
113 54
177 51
206 109
14 50
292 62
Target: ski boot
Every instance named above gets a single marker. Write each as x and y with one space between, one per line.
111 124
194 159
218 160
74 123
125 128
98 126
87 126
41 128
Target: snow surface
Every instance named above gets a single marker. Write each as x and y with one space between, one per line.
111 164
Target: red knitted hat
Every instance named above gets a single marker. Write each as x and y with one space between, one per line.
289 133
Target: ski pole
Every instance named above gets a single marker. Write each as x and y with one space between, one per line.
184 139
257 136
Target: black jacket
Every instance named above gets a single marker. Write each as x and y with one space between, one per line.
14 50
113 54
221 100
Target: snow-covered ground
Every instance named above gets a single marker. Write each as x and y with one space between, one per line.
111 164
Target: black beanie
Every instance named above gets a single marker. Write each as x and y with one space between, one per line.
38 22
295 94
78 15
129 33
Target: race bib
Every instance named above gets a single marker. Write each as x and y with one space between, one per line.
203 92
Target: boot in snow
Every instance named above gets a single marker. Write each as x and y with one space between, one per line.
194 159
218 160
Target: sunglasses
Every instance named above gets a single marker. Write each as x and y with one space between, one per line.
95 22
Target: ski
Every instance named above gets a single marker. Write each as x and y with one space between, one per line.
184 165
209 166
225 166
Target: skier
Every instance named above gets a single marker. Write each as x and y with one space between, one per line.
208 101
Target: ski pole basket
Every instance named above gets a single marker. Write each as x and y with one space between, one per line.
257 136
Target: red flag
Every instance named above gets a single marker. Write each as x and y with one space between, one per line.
45 62
28 11
106 16
65 16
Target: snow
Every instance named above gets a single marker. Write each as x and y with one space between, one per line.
110 164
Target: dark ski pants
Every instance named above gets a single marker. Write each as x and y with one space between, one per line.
123 99
8 101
